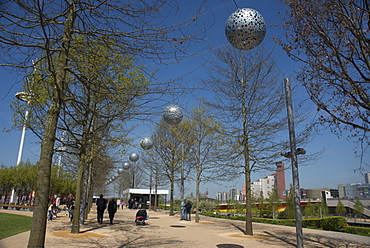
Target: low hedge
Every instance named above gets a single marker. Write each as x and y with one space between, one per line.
364 231
336 223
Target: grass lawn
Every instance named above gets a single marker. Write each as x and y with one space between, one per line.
12 224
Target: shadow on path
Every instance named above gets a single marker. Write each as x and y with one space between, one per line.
281 238
239 228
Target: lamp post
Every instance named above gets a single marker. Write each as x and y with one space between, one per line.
25 97
293 156
134 157
245 29
147 144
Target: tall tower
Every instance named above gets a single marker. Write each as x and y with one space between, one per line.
367 178
280 179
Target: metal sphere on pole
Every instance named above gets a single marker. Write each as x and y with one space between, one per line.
172 115
245 29
134 157
126 165
146 143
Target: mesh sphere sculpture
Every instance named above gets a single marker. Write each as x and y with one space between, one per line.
245 29
134 157
146 143
126 165
172 115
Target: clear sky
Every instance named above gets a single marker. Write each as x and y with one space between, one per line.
335 166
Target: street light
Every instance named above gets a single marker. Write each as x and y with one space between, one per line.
293 156
147 144
245 29
25 97
299 151
134 157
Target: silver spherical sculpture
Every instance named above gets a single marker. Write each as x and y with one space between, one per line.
146 143
120 170
245 29
126 165
134 157
172 115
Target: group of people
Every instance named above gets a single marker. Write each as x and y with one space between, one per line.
135 204
101 205
186 210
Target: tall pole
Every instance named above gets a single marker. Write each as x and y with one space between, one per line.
293 157
182 181
26 97
150 187
20 151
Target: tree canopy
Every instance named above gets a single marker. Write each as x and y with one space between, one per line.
330 39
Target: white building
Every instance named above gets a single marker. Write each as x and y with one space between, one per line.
263 187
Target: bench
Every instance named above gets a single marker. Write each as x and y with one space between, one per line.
16 207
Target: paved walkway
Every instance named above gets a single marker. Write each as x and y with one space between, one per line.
168 231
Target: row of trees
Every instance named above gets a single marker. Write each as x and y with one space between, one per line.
76 93
86 85
23 179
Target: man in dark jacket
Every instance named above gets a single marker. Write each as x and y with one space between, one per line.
101 204
112 209
188 207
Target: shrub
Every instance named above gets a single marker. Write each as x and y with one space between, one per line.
333 223
283 222
364 231
207 205
312 223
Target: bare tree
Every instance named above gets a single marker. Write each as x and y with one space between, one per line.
44 30
208 155
168 151
155 174
249 101
330 39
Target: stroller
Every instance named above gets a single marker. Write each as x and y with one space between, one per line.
141 217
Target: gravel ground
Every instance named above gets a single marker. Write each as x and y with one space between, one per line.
162 230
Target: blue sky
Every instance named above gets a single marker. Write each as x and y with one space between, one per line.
336 166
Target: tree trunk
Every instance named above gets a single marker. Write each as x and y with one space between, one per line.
39 217
89 191
156 191
84 194
247 169
79 191
38 226
172 181
248 203
197 184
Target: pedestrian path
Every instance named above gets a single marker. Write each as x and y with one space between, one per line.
165 231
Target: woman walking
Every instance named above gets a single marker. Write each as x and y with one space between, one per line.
112 209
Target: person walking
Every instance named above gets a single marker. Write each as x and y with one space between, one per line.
188 207
50 211
122 203
70 205
183 210
101 204
112 209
